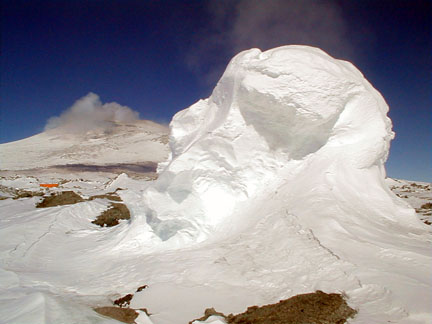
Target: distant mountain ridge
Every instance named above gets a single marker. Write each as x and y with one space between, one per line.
135 142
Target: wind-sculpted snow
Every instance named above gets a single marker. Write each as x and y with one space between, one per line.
306 136
274 187
286 110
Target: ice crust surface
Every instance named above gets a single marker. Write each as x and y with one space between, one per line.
274 187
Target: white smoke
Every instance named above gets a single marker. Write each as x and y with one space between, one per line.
239 25
88 113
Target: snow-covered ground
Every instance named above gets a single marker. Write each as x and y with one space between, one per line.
122 143
274 186
188 276
417 194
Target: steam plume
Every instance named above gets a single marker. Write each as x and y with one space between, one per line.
88 113
238 25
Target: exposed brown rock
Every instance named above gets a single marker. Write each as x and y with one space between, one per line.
112 215
313 308
124 301
207 313
426 206
145 311
18 193
109 196
27 194
125 315
141 288
59 199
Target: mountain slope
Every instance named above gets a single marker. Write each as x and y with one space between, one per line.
140 141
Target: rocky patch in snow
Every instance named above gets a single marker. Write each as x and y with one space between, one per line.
60 199
417 194
121 310
17 193
110 196
124 301
312 308
125 315
112 215
426 211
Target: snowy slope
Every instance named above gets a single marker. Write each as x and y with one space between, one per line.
139 141
274 187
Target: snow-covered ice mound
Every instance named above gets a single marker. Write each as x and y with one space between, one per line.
290 115
274 187
292 133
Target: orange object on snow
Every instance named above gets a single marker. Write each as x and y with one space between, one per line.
49 185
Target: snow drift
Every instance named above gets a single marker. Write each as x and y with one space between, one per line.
293 133
291 113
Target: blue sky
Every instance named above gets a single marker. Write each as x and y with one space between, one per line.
158 57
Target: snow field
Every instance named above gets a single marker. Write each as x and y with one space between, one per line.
274 187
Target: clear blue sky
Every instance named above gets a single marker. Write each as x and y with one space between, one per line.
158 57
